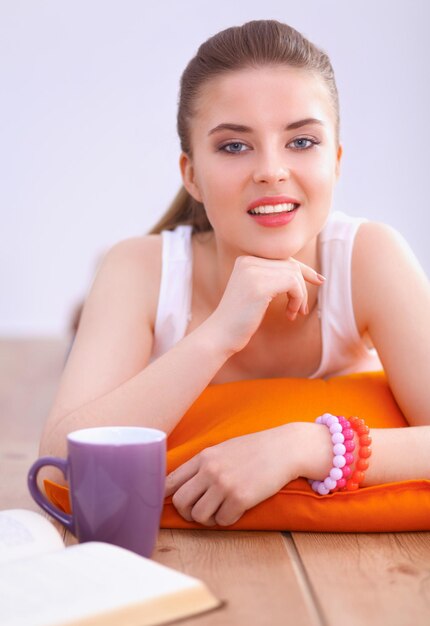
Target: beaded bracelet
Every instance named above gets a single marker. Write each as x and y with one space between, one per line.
364 451
342 455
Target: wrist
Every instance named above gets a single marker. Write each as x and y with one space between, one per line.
317 451
216 339
348 471
312 448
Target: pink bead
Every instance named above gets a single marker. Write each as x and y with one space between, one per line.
348 433
330 483
341 483
339 461
346 471
336 473
349 458
322 489
339 448
349 445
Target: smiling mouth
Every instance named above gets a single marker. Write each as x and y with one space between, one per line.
269 209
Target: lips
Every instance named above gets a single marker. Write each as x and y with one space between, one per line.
274 220
271 200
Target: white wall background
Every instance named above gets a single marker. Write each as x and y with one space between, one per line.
88 145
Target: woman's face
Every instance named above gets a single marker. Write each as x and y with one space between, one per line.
280 153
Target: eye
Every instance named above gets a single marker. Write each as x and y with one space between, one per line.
234 144
300 141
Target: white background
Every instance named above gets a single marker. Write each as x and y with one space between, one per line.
88 144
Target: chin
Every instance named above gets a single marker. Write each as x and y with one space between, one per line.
271 253
278 250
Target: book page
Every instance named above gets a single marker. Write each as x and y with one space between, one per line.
24 533
79 582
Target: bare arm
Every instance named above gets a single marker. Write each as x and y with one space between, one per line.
391 295
223 481
397 453
106 380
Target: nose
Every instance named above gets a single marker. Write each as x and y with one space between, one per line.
271 168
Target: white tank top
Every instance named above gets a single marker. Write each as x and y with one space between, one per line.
344 351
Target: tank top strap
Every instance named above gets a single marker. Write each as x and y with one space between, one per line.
174 300
342 344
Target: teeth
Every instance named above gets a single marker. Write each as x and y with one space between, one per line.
277 208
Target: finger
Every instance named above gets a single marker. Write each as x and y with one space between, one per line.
229 512
293 307
297 297
304 308
180 475
204 511
309 274
186 496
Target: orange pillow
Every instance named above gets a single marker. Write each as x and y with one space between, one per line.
233 409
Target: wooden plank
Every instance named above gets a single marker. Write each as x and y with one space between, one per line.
250 570
368 579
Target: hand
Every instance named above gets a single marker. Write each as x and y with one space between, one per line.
253 284
220 483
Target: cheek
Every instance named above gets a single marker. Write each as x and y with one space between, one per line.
222 186
318 176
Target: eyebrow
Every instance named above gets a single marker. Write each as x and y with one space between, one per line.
240 128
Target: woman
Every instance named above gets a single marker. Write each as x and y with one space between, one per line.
253 277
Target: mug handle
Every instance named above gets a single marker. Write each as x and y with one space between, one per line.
37 495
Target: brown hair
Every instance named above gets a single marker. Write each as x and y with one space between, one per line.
254 44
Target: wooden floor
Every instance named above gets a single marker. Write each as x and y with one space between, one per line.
264 577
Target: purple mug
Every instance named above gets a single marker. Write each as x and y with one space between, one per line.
116 477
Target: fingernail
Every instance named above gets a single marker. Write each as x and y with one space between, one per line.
320 276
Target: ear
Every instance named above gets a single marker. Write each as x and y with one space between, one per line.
188 176
338 160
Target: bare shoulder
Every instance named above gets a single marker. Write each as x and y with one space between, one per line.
380 253
137 260
135 249
391 297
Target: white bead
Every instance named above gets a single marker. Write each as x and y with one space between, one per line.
332 420
319 420
339 461
337 438
339 448
322 489
315 484
335 428
330 483
336 473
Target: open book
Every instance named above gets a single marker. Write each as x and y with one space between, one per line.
43 583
